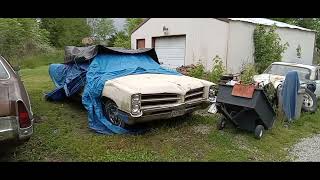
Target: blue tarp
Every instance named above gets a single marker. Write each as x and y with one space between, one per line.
289 94
68 78
103 67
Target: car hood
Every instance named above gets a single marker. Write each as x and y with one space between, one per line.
158 83
269 78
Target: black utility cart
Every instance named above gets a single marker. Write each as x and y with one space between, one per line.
246 107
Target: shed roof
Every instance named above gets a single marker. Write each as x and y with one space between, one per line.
269 22
262 21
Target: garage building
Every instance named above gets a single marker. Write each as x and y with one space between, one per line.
184 41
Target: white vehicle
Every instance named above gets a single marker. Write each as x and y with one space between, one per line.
147 97
309 77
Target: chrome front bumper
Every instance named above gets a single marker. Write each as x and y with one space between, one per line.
9 129
168 111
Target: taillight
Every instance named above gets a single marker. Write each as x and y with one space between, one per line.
23 115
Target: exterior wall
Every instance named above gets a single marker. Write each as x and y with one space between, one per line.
233 41
205 37
241 46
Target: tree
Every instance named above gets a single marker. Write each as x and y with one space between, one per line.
132 24
22 36
102 29
66 31
123 38
105 29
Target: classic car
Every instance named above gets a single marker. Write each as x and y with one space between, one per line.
16 117
160 96
309 77
127 98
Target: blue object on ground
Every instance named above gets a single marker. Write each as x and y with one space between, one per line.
70 78
289 94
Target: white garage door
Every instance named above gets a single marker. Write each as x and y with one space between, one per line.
171 50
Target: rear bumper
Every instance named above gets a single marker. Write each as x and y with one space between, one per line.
9 129
168 112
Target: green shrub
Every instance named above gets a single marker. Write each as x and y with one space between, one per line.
33 61
198 71
248 71
267 46
217 70
22 37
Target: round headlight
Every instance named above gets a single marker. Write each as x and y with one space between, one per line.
135 99
135 108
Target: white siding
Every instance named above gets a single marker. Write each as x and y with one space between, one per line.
233 41
205 37
241 46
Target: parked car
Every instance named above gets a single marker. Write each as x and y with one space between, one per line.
160 96
16 117
309 78
135 87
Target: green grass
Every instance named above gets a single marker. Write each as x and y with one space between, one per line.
41 59
62 134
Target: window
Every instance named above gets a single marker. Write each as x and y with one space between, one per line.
3 72
282 70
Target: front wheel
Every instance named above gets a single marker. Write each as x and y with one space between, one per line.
258 132
309 101
111 113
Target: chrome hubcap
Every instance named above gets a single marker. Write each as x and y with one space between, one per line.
307 101
113 115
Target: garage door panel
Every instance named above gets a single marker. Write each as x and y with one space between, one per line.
171 50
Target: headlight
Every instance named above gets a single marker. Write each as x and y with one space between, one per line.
212 94
136 105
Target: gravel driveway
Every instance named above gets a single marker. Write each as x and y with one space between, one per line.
307 149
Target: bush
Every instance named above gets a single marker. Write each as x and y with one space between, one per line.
248 71
217 70
42 59
22 37
267 47
198 71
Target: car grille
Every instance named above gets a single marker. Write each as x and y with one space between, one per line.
194 94
155 100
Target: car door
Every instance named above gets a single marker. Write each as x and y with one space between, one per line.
317 80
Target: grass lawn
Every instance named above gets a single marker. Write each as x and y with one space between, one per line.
62 134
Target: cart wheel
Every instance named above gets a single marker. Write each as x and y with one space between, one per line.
221 123
258 132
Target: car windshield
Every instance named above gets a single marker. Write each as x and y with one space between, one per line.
282 70
3 72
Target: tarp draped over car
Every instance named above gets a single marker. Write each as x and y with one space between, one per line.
105 65
289 94
75 54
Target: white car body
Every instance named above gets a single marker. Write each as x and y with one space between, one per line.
276 79
162 96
